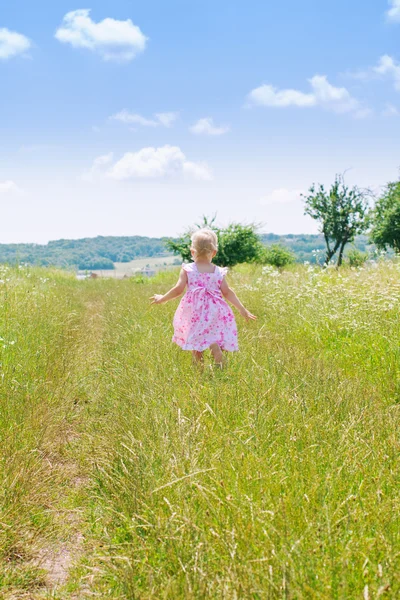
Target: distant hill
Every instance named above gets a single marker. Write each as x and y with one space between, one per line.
102 252
87 253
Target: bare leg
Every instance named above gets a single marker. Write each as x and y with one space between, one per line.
198 358
217 355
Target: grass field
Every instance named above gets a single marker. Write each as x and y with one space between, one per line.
158 263
125 473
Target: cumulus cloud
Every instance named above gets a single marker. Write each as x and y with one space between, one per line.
166 119
269 95
112 39
323 93
12 44
393 14
281 196
206 126
155 163
387 66
166 162
9 187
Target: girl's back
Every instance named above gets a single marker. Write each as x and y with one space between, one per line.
203 317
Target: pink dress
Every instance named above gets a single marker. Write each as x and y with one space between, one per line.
203 316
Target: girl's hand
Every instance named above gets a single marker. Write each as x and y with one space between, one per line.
247 314
157 299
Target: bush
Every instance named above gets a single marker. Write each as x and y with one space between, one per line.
356 258
236 244
277 256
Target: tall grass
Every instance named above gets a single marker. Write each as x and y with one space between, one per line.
275 478
37 321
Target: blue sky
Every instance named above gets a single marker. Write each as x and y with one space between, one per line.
138 117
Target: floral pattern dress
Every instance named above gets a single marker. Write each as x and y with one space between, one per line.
203 316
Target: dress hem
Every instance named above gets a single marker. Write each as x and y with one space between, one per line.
202 349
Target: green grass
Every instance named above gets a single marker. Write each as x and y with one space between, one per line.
158 263
275 478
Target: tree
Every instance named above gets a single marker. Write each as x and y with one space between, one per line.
236 243
386 219
342 213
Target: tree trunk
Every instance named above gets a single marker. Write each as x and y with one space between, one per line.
328 257
330 253
340 257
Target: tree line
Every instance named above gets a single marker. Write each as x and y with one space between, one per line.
344 213
100 252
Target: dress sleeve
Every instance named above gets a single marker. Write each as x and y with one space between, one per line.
223 271
187 267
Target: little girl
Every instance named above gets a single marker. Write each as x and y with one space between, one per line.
203 318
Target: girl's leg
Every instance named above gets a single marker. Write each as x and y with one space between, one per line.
198 357
217 355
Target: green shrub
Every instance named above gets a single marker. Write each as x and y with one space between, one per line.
356 258
277 256
236 244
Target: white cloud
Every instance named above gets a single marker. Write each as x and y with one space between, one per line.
268 95
281 196
148 163
393 14
388 66
97 167
9 187
206 126
337 99
165 119
156 163
112 39
322 94
390 111
134 119
12 44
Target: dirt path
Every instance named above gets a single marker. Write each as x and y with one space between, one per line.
68 463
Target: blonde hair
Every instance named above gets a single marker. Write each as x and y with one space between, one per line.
204 242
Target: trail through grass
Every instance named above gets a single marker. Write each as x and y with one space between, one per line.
127 473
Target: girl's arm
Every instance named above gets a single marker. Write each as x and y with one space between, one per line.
233 299
174 292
